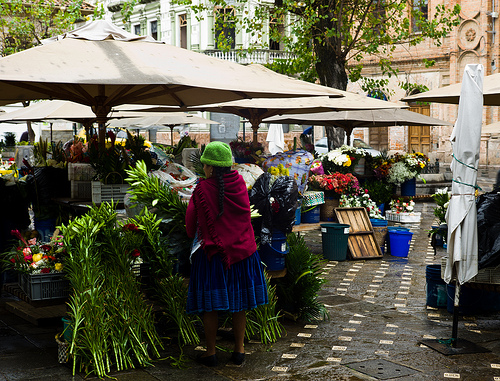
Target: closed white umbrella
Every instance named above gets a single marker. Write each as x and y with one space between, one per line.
461 215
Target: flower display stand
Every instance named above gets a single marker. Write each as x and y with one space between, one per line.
80 171
106 192
403 217
44 286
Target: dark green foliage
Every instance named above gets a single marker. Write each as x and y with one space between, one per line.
113 327
298 290
150 192
264 319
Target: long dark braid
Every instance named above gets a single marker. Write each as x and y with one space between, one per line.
219 173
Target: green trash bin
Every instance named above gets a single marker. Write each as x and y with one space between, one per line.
334 240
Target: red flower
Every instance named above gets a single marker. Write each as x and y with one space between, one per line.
46 247
45 270
130 227
135 253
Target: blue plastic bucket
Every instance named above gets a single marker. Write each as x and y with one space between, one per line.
400 242
409 187
298 216
45 228
378 222
273 255
436 287
393 228
67 329
311 216
334 239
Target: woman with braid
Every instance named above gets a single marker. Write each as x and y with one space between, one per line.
226 273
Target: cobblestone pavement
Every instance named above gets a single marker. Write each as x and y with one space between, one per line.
377 312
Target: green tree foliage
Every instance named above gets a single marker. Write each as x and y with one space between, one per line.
25 24
330 39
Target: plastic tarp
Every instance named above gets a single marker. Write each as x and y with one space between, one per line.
488 227
298 164
276 202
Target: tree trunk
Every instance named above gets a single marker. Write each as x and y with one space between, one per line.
332 73
335 136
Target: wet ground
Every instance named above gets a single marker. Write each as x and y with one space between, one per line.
378 318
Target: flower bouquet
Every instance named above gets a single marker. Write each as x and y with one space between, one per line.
32 256
335 184
361 201
442 200
244 151
406 167
40 266
403 211
343 159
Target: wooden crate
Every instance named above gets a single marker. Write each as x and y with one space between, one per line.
361 242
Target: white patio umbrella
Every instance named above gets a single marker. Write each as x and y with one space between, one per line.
101 65
451 93
255 110
350 119
159 121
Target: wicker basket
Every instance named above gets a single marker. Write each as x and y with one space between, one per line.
380 233
62 349
327 210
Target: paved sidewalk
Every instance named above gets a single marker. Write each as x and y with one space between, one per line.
377 312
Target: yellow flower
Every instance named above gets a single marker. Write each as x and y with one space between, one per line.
37 257
58 266
347 163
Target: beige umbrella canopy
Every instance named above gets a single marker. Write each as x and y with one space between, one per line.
160 120
451 94
256 110
101 65
350 119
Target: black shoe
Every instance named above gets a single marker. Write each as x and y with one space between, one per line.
207 360
237 358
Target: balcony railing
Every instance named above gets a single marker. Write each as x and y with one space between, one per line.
258 56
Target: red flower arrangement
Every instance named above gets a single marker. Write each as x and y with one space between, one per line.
31 256
336 183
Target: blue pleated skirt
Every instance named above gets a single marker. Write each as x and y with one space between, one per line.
212 288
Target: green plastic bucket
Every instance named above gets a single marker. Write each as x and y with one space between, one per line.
334 241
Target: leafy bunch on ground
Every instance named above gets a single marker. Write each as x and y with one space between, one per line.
113 326
298 290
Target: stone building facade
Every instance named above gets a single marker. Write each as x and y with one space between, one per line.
475 40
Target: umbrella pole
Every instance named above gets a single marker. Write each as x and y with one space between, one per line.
171 135
454 330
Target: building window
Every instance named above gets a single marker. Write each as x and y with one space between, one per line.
183 30
276 31
153 25
420 11
137 29
225 28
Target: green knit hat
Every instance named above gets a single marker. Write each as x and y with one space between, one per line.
217 154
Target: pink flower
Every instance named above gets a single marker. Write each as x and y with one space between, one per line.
26 251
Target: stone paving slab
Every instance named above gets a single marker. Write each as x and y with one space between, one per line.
377 311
